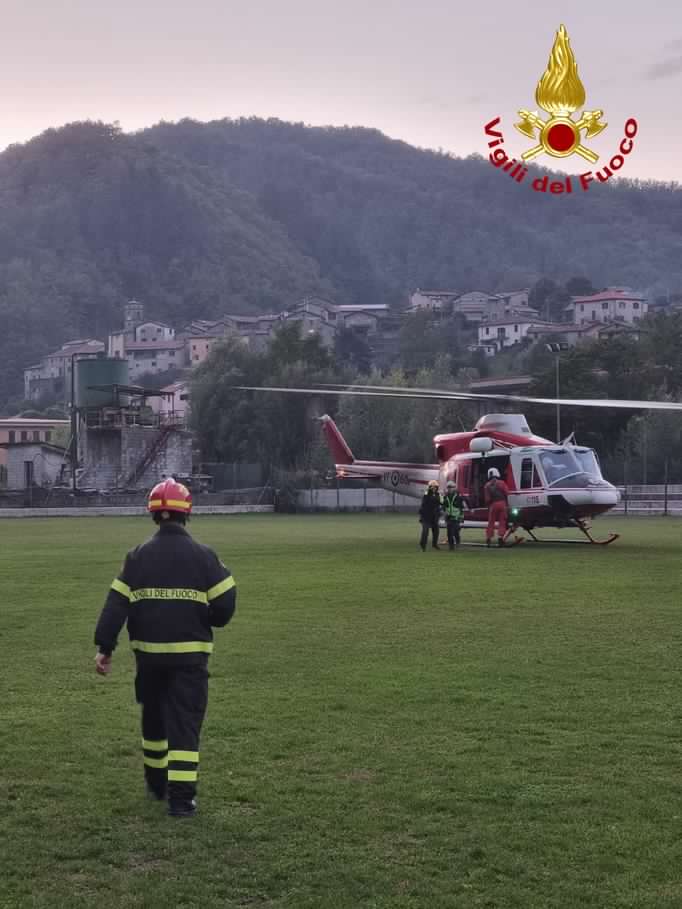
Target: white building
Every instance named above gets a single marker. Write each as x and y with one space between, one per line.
173 402
611 305
506 332
34 464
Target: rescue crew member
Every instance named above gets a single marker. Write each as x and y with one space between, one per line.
429 513
170 592
453 506
496 498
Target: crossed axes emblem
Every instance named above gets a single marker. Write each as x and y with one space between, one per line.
589 122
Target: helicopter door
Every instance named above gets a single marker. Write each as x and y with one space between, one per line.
464 479
479 477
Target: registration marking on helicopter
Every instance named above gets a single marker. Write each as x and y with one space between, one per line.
395 478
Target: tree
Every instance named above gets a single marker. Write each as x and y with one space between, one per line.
540 295
274 429
352 349
579 287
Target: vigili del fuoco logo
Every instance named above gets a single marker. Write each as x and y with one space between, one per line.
560 93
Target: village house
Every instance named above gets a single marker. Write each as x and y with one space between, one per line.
31 464
27 430
611 305
198 347
474 305
151 357
52 376
149 346
431 300
501 306
173 402
506 332
573 334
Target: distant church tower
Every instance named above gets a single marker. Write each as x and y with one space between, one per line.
133 315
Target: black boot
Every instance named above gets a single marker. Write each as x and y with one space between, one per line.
182 807
156 793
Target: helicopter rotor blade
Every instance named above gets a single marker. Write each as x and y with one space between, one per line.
347 391
396 391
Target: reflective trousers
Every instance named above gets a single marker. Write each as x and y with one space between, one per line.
173 700
497 514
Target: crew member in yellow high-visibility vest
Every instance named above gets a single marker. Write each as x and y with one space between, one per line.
171 592
453 507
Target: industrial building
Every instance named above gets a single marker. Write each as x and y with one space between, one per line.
122 444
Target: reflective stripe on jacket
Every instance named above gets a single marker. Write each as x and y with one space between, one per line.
171 592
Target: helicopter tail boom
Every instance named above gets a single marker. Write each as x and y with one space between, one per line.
337 444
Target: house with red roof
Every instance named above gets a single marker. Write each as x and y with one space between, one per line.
611 305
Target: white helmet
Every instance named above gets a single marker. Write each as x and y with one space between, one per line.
450 484
493 472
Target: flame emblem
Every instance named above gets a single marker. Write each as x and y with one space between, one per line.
560 93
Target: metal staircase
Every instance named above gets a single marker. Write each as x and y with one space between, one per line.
148 457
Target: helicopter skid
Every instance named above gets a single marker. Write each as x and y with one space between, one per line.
590 541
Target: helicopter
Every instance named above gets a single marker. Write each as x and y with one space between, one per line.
551 484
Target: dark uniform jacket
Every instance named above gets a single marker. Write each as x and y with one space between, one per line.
429 510
171 591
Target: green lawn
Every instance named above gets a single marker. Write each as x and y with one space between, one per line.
386 728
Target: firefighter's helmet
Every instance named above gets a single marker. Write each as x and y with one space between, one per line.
493 472
169 495
451 484
433 484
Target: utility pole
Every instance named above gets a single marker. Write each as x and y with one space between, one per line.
558 395
556 349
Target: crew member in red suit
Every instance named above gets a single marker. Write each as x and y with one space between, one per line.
497 499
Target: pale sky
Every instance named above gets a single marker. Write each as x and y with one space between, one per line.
430 72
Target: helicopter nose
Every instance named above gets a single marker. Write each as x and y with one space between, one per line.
595 496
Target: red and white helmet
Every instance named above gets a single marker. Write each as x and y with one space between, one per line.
169 495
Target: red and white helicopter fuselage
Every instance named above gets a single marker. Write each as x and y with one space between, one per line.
551 485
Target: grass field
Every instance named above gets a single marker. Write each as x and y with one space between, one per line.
387 728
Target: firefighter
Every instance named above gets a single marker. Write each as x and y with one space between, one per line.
170 592
429 513
453 506
496 498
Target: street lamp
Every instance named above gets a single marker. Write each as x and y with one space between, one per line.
556 349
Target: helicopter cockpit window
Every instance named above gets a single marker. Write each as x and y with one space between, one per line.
570 468
588 461
557 465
